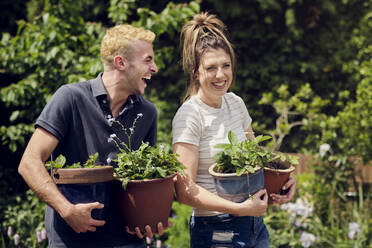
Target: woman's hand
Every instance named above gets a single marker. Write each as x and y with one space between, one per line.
255 205
282 199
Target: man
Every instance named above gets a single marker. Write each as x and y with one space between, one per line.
75 123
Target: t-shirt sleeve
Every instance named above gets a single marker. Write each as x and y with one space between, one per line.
56 115
186 125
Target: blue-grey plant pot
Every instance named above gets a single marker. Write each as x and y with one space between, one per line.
237 188
86 185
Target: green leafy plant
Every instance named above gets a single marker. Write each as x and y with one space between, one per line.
147 162
242 157
61 161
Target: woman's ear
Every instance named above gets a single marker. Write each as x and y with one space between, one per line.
195 75
120 63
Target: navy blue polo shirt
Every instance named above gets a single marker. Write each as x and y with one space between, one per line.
78 115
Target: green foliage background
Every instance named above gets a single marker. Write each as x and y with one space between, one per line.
304 68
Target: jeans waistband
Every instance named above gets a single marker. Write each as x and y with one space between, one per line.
215 218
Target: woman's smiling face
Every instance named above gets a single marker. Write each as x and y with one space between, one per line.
215 76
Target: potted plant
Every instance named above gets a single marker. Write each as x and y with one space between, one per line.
84 183
246 167
277 172
238 172
147 179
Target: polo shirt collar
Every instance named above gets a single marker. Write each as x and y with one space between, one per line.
98 89
97 86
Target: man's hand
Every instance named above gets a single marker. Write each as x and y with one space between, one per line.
255 205
281 199
149 232
79 217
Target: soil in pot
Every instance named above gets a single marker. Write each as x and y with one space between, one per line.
145 202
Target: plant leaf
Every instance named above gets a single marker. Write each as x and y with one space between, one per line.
60 161
232 138
161 172
222 146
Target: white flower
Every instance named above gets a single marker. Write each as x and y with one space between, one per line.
108 160
139 115
353 229
113 136
111 121
297 223
286 206
148 240
38 236
301 208
109 140
307 239
161 146
131 130
338 162
323 149
10 231
16 239
43 234
158 243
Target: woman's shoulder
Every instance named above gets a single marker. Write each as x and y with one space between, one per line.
189 110
232 98
190 106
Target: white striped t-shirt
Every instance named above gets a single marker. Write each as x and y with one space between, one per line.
198 124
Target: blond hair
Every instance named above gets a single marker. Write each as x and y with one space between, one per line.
119 39
203 32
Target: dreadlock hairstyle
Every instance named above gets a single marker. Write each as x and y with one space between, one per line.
203 32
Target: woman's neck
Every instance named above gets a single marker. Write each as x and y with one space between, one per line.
214 102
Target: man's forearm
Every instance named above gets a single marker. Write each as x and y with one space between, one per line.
36 176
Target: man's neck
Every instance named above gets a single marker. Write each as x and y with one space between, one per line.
117 95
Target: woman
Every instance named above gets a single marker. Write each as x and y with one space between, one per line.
203 121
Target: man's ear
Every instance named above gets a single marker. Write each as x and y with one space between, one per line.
120 63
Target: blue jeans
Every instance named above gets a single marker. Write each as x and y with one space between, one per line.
131 246
225 231
62 245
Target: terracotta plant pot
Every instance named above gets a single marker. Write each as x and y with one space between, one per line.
146 202
85 185
275 180
237 188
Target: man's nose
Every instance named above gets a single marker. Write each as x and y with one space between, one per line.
154 68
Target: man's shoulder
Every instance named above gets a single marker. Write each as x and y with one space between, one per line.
83 85
146 103
77 88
